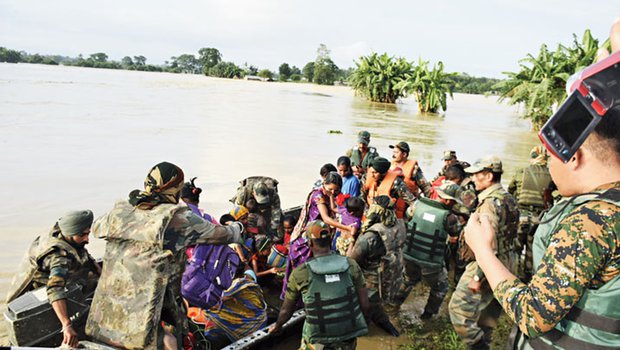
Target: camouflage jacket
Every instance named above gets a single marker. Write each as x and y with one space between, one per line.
271 213
420 180
52 262
584 253
356 157
528 186
502 210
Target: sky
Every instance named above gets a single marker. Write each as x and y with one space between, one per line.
481 38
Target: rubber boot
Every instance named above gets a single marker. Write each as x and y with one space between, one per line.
480 345
387 326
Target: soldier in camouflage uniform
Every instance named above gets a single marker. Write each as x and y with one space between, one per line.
531 187
571 301
410 170
380 181
449 159
431 225
362 155
371 253
263 191
144 259
473 294
56 259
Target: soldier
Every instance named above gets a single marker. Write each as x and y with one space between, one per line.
472 294
449 159
531 187
410 170
333 290
376 252
432 223
362 154
56 259
144 259
380 181
263 190
571 301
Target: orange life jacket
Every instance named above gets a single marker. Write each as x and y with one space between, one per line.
407 172
384 189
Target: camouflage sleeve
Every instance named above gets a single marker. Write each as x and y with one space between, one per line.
488 208
512 187
360 249
58 264
356 274
349 152
583 253
453 225
403 192
187 229
276 215
423 184
363 189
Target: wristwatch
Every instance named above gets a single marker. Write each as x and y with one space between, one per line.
476 278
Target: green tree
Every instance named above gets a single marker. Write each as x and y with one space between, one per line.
285 71
308 71
127 62
209 57
99 57
430 87
295 70
377 77
540 83
266 74
250 69
10 56
225 70
325 70
186 63
139 60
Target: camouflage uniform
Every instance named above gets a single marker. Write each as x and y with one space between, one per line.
580 256
56 263
435 277
142 268
529 186
271 213
468 202
466 307
420 180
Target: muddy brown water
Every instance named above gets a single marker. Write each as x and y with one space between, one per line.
75 138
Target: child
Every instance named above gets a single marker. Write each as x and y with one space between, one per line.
350 214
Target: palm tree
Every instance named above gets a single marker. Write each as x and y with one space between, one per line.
377 77
540 84
430 87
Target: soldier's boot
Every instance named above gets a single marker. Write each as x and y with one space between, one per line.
387 326
480 345
426 315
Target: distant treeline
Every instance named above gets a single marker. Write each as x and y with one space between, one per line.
209 62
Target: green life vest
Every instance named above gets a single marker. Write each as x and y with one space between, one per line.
534 182
426 234
356 157
128 302
333 312
39 249
594 322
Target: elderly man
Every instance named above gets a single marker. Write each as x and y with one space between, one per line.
362 154
140 285
472 294
381 181
571 301
409 169
56 259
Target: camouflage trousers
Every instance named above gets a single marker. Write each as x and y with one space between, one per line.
435 277
468 310
344 345
528 221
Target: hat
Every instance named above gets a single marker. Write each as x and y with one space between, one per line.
381 165
492 163
449 154
402 145
363 137
239 212
75 222
317 229
449 190
261 193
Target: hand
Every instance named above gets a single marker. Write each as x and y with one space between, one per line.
353 230
474 286
479 233
275 329
453 239
70 336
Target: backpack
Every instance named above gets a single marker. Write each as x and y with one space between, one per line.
208 273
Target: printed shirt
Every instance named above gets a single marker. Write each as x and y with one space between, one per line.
584 253
299 280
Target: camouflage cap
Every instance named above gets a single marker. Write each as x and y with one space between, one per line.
449 190
363 137
449 154
491 163
261 193
317 229
402 145
538 155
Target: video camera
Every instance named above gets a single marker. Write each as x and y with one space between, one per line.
592 93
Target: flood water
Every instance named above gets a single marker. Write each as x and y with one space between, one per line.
73 138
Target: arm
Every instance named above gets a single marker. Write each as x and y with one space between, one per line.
70 336
186 229
58 264
418 177
331 222
288 307
561 277
360 285
293 293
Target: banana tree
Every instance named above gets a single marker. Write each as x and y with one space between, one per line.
430 87
377 77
